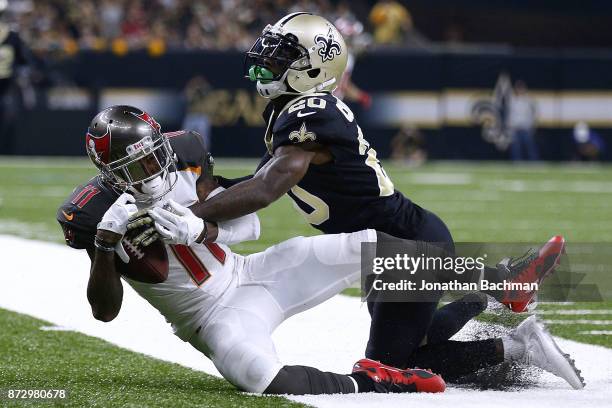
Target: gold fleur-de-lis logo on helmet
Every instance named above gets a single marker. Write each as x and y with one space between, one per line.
299 136
330 48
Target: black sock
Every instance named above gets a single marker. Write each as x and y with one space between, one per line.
364 383
300 380
455 359
451 318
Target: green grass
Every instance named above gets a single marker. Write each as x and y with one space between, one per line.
479 202
96 373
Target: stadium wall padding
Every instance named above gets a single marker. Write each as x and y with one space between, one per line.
433 90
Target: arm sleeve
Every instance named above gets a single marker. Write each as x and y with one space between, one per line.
245 228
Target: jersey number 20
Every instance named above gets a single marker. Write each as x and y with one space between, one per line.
320 212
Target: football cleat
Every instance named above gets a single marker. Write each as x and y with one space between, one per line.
533 267
391 379
542 351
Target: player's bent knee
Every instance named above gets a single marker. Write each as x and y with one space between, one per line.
343 248
248 368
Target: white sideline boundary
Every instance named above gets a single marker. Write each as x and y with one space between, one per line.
48 281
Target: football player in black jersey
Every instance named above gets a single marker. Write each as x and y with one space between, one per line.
13 53
318 155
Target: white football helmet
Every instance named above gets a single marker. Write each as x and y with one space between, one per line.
301 53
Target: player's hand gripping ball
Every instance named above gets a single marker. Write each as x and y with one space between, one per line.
147 264
141 229
148 259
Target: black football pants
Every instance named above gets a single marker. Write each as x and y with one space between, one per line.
398 329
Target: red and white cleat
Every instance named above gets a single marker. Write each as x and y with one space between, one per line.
533 267
391 379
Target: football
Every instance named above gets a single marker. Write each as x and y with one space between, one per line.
148 264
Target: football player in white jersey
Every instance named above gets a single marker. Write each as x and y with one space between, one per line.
224 304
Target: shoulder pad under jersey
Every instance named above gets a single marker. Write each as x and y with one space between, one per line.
189 148
310 118
80 214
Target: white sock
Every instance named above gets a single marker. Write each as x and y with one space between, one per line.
513 349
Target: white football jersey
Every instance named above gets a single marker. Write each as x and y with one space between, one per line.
198 275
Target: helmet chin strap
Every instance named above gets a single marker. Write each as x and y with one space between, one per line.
274 89
321 86
152 190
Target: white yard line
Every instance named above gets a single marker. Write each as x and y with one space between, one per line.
48 281
579 321
578 312
597 332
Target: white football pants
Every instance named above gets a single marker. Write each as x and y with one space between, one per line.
273 285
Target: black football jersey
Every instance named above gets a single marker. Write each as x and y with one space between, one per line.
351 192
12 53
80 214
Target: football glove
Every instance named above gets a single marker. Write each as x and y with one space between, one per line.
177 224
141 228
116 217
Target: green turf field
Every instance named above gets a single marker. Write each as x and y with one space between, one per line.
479 202
96 373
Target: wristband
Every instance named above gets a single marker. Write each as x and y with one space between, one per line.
204 234
103 246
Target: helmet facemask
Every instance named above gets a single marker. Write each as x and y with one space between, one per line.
143 171
301 53
271 58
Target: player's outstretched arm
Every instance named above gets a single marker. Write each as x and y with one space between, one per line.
104 290
284 170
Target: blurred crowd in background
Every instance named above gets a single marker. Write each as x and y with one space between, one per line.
38 36
67 26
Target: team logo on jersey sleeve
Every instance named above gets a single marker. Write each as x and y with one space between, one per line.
330 48
302 135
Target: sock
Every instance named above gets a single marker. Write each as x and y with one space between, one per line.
455 359
364 383
451 318
300 380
